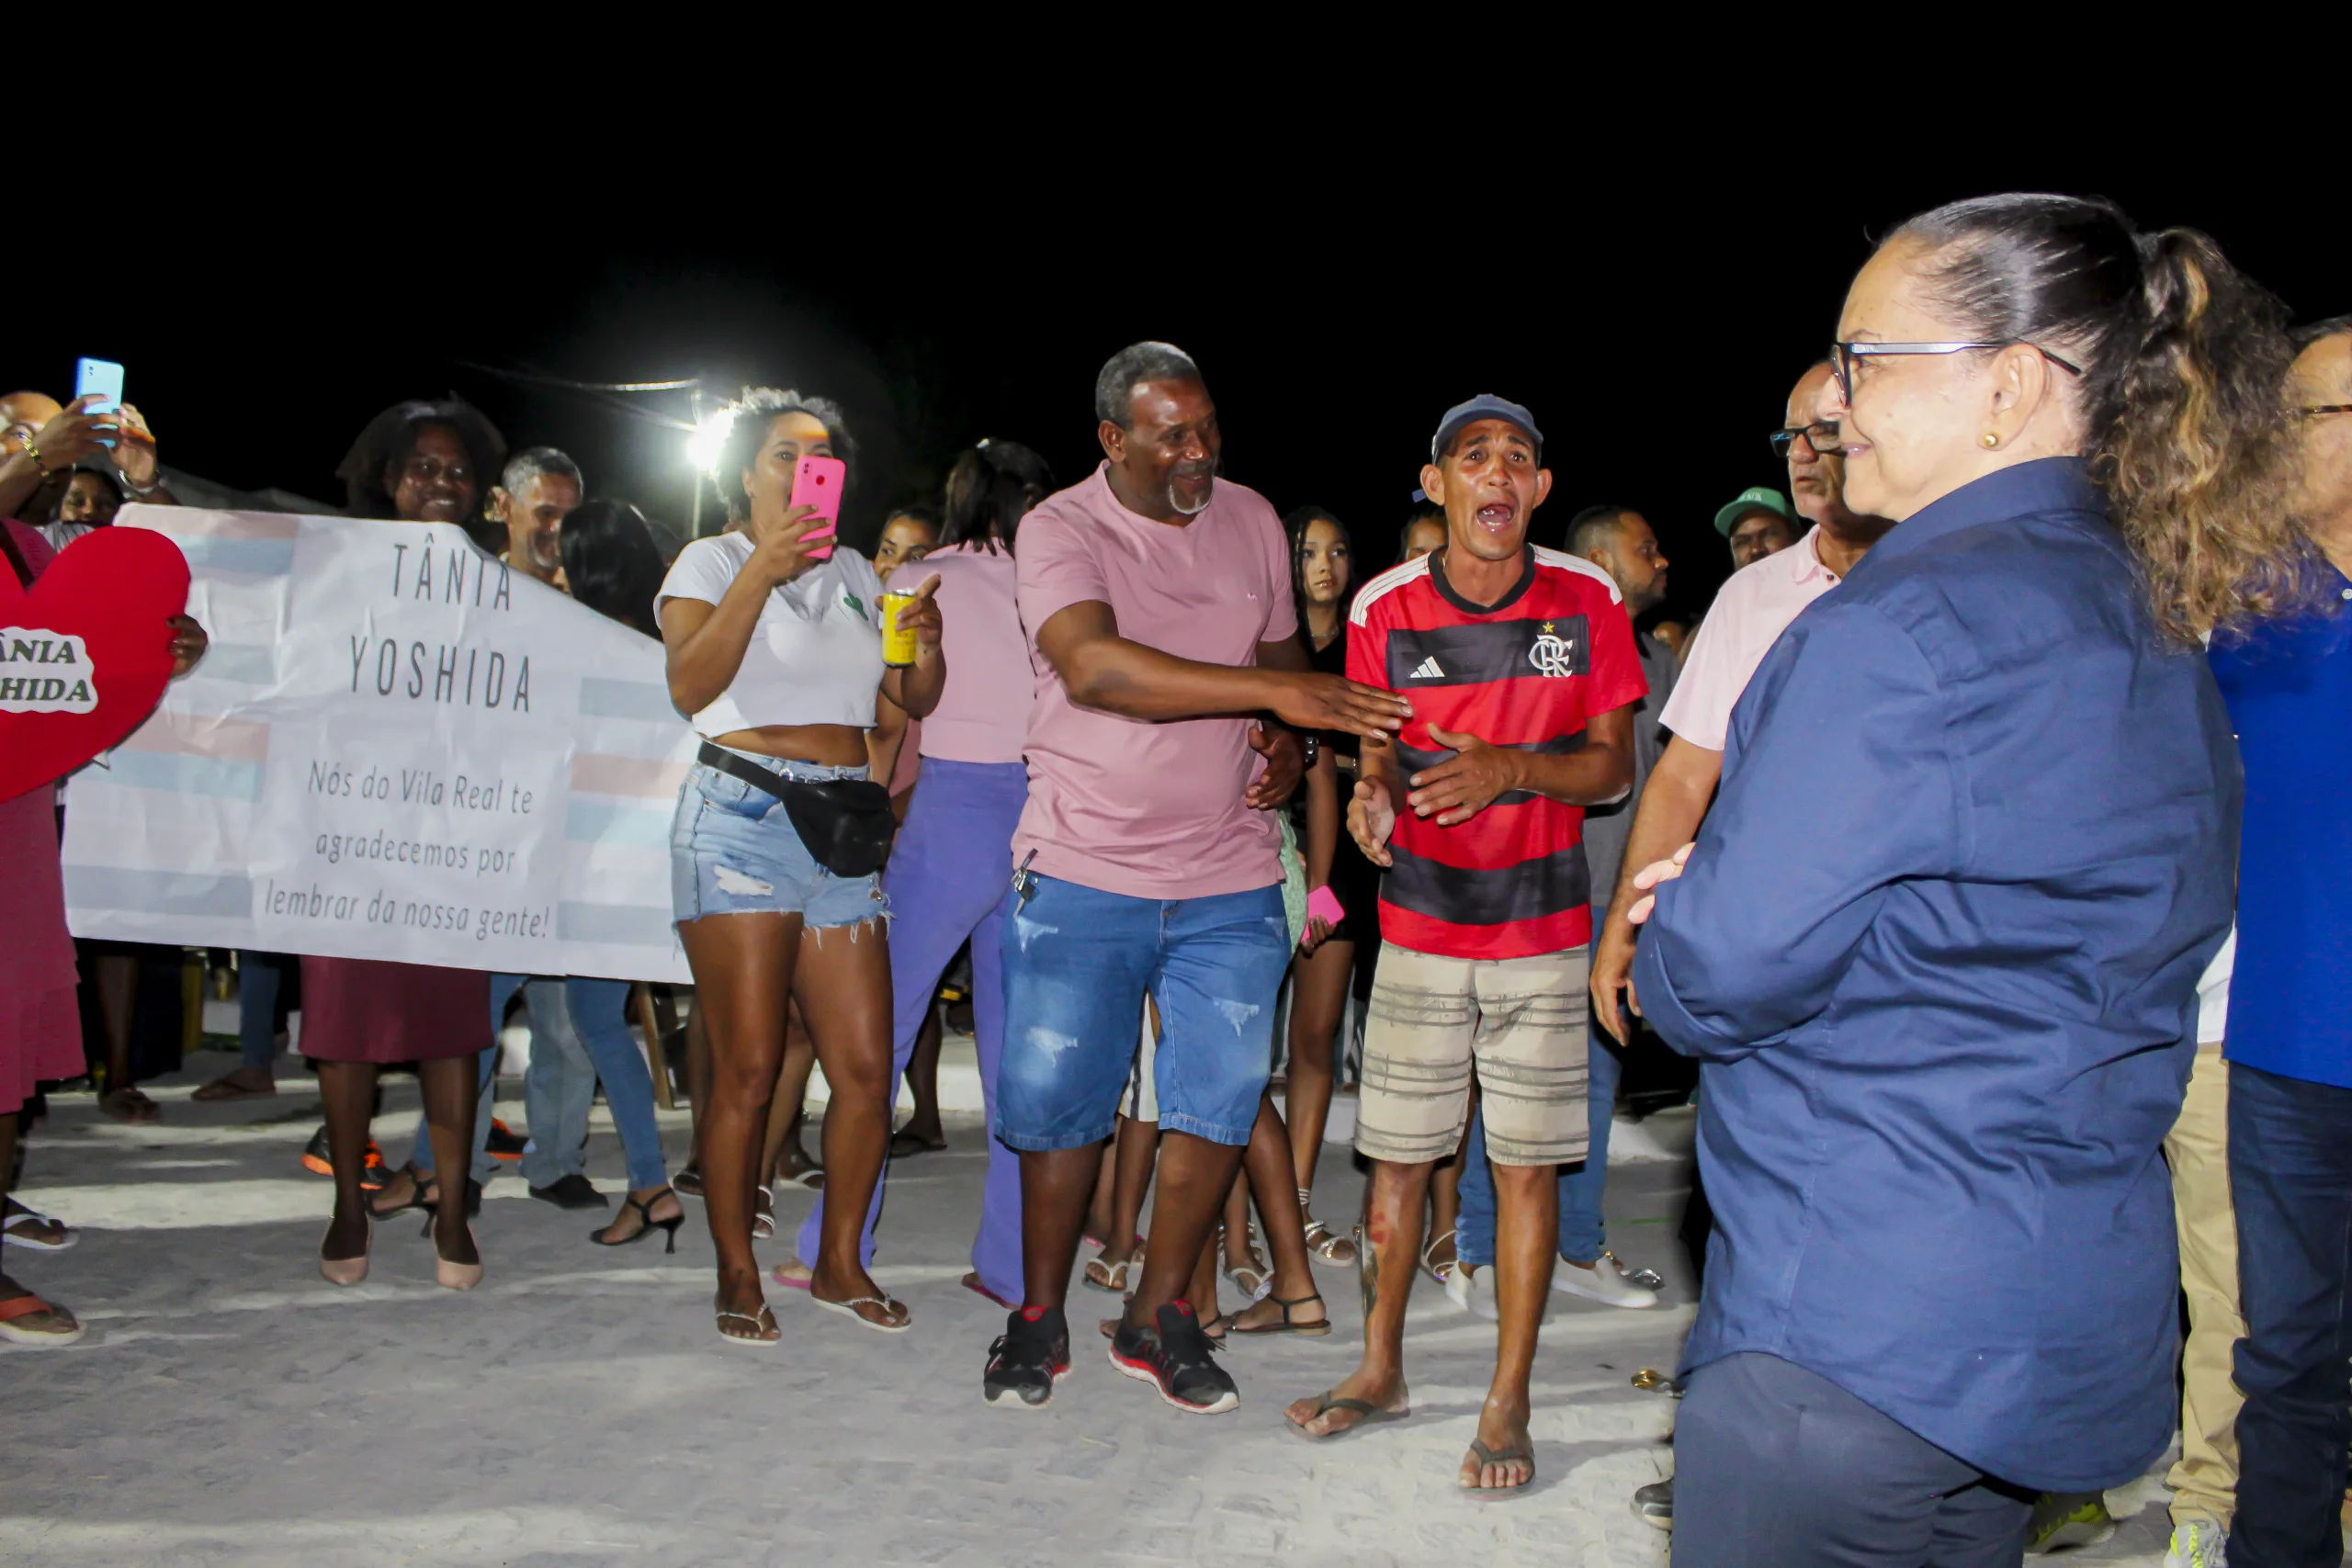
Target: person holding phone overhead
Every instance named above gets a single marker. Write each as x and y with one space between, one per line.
776 653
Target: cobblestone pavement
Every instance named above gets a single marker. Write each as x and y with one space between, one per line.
230 1407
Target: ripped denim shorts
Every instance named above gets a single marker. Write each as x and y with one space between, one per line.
734 851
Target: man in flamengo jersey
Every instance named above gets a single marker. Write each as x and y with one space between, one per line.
1522 670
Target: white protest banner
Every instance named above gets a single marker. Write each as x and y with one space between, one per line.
396 748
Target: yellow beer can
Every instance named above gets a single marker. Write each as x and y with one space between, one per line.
897 646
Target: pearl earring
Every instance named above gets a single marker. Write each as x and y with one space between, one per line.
1991 439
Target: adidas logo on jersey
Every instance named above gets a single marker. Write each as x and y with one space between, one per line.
1426 670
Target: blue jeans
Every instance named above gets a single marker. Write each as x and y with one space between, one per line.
1582 1237
257 981
733 851
2290 1181
559 1087
598 1013
1076 966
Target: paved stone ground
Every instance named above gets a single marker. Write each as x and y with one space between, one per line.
230 1407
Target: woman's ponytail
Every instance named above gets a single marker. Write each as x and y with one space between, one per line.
2184 362
2194 456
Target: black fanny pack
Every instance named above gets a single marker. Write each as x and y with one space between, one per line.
845 823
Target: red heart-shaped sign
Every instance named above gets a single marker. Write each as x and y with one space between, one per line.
84 655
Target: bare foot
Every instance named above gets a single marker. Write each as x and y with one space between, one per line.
1509 1460
1325 1417
30 1229
743 1311
241 1083
51 1322
873 1302
645 1206
1268 1314
127 1105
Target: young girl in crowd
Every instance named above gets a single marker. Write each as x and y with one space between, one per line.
776 650
947 871
1323 577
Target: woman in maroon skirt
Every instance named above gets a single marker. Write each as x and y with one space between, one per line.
418 463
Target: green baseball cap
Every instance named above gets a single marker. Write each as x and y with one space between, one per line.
1753 499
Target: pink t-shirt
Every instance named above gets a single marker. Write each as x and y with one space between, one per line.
1747 617
983 711
1151 810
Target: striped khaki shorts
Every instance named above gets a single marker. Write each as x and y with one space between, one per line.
1518 1021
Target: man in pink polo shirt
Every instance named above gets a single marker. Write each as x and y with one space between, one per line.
1158 603
1748 616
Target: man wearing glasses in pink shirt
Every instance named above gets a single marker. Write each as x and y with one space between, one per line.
1748 616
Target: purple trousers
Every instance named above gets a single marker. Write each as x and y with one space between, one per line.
945 880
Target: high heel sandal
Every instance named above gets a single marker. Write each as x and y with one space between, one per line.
456 1276
415 1197
345 1270
645 1211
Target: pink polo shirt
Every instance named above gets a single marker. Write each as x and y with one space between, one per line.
983 711
1747 617
1151 810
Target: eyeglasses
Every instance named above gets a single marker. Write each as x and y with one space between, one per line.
2314 411
1843 356
1820 437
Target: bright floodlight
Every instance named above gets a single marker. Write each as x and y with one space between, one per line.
709 439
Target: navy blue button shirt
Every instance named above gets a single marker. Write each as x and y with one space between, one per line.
2289 691
1938 951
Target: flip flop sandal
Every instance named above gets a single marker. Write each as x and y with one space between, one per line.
1113 1276
1286 1325
1251 1280
1437 1271
787 1280
130 1107
687 1183
222 1089
810 1180
768 1336
849 1308
906 1145
762 1216
1372 1414
32 1219
1327 1244
972 1282
25 1306
1487 1455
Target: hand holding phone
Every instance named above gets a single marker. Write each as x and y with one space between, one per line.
100 380
818 483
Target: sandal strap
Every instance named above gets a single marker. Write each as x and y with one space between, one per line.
762 1318
22 1306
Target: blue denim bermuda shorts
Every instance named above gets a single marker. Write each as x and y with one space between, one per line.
1077 963
734 851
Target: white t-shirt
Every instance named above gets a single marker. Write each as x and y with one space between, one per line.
2213 992
816 653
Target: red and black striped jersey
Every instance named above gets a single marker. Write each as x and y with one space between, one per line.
1528 671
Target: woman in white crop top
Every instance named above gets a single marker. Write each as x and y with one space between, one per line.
777 656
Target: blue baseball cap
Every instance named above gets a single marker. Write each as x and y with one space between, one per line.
1486 405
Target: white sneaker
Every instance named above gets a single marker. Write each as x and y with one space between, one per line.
2200 1543
1472 1289
1605 1281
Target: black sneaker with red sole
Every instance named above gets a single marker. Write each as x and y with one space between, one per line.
502 1143
1178 1359
1028 1358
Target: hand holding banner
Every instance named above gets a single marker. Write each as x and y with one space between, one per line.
397 748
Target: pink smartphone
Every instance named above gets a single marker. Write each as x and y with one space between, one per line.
1324 905
818 483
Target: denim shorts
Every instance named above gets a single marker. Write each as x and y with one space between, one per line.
734 851
1077 963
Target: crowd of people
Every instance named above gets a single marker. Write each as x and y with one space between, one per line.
1983 843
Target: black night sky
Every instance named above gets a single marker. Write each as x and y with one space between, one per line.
1653 317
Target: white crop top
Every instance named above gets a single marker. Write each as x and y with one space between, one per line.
816 654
